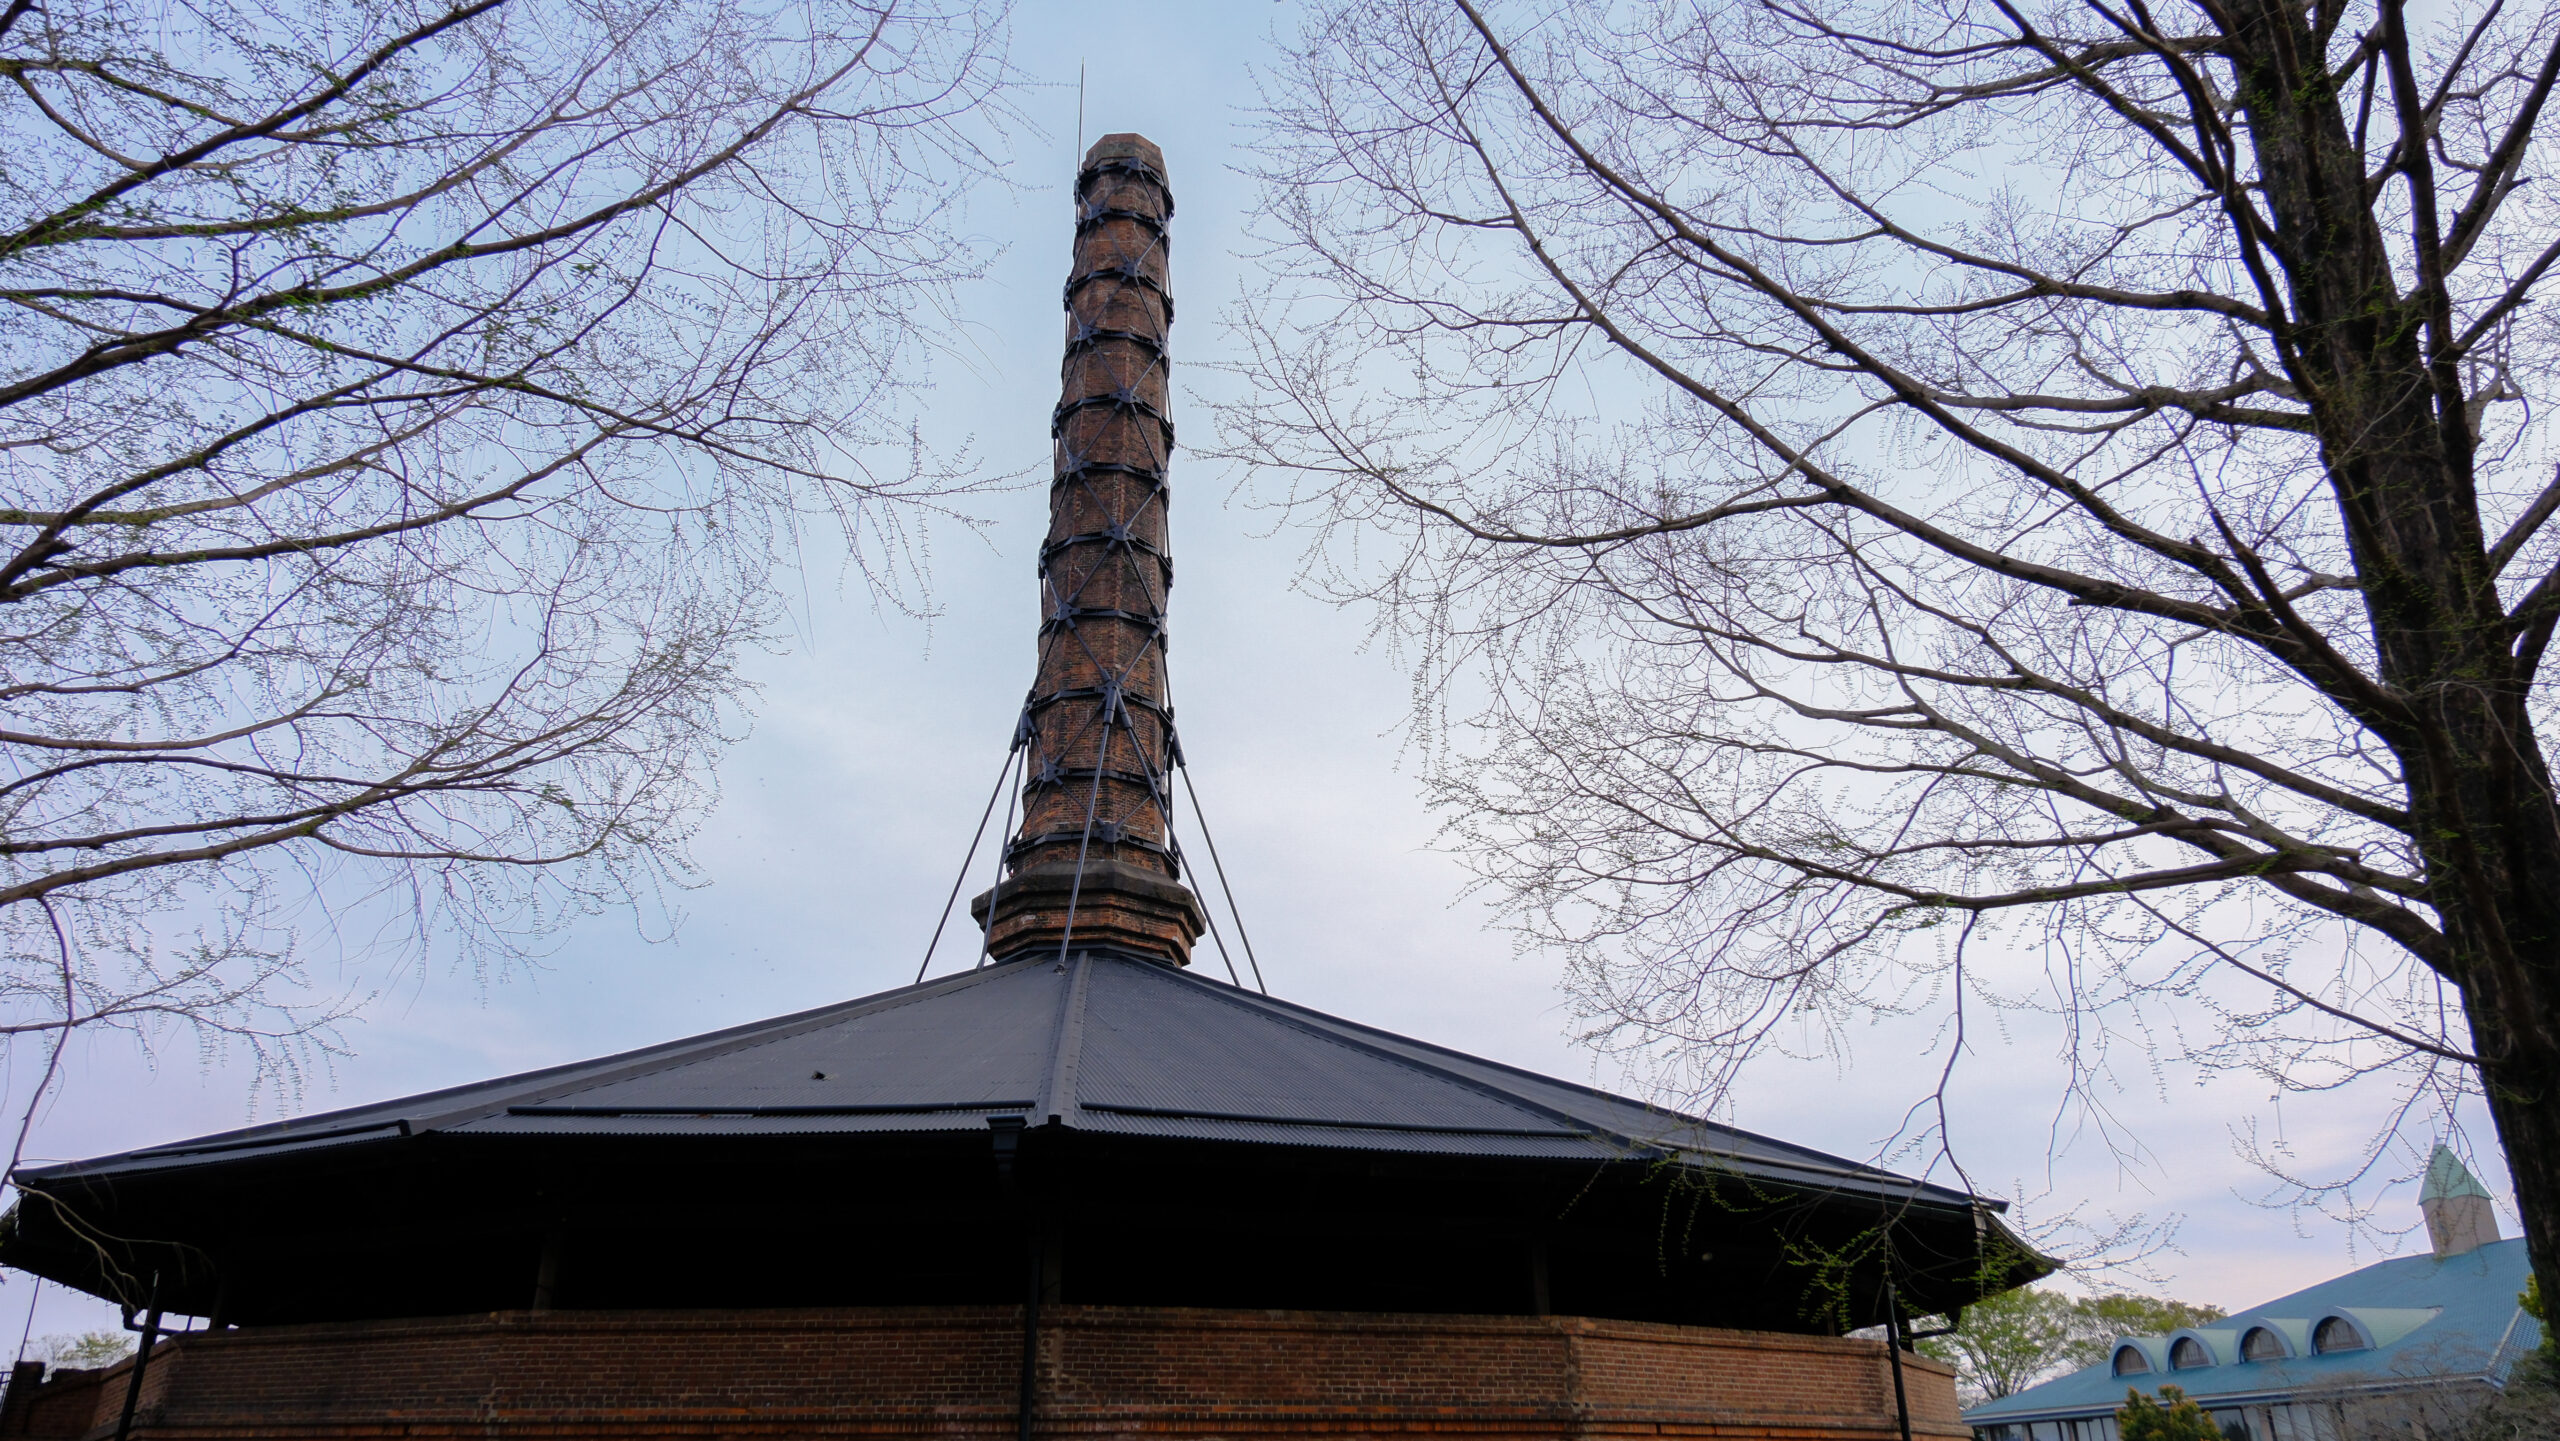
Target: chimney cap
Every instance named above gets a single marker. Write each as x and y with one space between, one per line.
2447 1178
1125 146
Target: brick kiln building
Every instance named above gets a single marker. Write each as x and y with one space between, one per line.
1079 1190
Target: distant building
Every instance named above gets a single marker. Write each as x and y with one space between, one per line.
2393 1349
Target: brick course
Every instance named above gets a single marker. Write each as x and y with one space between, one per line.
952 1372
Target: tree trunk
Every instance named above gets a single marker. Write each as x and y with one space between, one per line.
2491 837
2363 342
2511 1010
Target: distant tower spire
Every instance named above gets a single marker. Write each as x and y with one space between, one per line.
1094 862
2459 1215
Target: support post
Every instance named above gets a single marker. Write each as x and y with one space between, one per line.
1893 1342
546 1272
141 1360
1053 1262
1006 1131
1027 1394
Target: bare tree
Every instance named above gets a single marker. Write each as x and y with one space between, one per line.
1896 473
403 411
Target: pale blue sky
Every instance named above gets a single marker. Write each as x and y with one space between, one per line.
846 812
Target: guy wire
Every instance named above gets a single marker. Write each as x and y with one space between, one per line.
1221 868
1004 838
1163 797
962 879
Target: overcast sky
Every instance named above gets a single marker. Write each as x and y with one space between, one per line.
846 812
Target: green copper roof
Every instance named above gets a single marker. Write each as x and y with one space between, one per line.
2447 1177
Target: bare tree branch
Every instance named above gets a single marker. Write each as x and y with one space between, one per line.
1839 468
403 414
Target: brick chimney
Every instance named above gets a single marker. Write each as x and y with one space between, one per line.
1093 863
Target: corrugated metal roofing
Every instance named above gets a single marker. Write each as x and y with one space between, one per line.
1186 1051
2455 1318
1102 1043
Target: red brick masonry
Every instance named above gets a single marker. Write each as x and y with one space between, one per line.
952 1372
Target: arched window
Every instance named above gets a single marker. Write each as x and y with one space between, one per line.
2261 1344
2130 1361
2187 1353
2336 1334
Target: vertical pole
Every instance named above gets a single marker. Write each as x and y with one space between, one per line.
1007 1133
1893 1348
1023 1401
141 1359
546 1271
1053 1270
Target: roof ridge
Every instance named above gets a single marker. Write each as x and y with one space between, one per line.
1057 1099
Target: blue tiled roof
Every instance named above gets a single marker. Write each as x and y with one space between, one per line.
2426 1318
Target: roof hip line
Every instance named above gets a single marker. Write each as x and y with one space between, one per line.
1057 1101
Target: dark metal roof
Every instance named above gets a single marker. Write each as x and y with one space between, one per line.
1100 1043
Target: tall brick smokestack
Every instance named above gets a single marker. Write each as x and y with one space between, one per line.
1093 863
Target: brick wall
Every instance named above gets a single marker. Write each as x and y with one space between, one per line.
63 1404
1104 1372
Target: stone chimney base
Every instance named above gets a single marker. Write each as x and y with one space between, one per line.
1119 905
